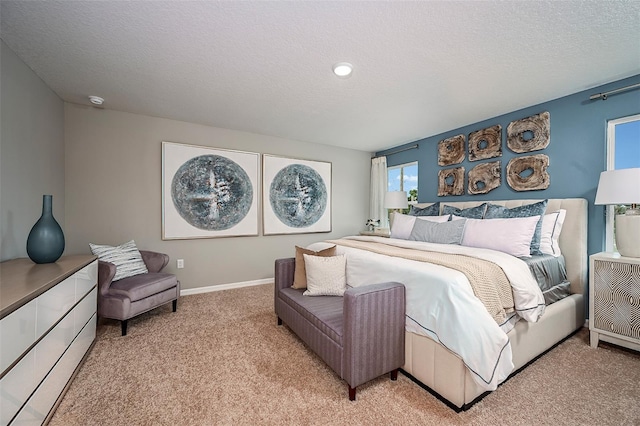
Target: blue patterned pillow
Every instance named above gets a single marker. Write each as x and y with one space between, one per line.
432 210
471 213
537 209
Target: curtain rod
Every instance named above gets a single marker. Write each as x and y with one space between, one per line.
416 146
604 95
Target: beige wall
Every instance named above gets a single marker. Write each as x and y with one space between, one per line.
113 186
31 153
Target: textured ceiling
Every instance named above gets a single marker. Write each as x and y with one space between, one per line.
420 68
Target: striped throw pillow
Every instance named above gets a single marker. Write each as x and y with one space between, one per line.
126 257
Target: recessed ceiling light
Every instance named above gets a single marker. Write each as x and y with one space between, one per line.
96 100
343 69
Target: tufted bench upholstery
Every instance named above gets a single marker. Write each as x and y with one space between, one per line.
360 336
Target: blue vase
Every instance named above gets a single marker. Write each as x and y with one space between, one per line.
45 243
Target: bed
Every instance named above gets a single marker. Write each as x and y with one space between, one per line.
445 369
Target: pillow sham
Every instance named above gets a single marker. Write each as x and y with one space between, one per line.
326 276
432 210
495 211
440 233
512 235
126 257
402 225
300 275
550 233
476 212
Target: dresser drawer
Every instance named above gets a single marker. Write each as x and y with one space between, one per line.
16 386
54 304
85 310
19 328
86 279
43 399
53 345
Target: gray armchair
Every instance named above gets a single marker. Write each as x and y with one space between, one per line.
132 296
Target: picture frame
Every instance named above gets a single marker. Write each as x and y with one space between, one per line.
209 192
296 195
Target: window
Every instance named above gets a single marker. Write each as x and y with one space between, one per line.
623 152
404 177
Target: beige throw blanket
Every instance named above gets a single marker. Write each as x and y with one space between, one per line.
488 280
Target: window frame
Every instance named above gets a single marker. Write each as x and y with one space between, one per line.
401 167
611 165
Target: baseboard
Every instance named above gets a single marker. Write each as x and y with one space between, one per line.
221 287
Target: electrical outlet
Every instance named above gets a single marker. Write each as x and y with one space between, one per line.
180 263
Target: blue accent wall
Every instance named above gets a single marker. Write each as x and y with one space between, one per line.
577 151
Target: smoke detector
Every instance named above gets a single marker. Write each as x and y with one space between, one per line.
96 100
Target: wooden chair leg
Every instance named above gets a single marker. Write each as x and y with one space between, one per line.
175 305
123 324
394 374
352 393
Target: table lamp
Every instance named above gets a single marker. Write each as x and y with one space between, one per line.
622 186
396 200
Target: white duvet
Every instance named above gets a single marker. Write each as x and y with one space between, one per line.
441 304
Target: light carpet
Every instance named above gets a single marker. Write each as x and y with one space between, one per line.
221 359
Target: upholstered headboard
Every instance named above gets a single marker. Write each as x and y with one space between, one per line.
573 238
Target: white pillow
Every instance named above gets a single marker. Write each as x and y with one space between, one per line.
326 276
402 224
551 228
126 257
512 235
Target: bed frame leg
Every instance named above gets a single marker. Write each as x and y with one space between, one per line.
352 393
279 321
393 375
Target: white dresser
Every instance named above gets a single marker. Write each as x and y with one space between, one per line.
47 326
614 300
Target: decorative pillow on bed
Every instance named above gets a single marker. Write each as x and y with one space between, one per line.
403 224
300 276
126 257
440 233
432 210
512 236
326 276
495 211
551 228
476 212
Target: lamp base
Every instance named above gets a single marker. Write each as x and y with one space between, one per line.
628 235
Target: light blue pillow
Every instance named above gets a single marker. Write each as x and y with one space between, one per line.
440 233
536 209
471 213
432 210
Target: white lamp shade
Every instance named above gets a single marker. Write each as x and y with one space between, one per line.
396 200
619 187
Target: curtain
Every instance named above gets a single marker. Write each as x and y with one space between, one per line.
378 191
